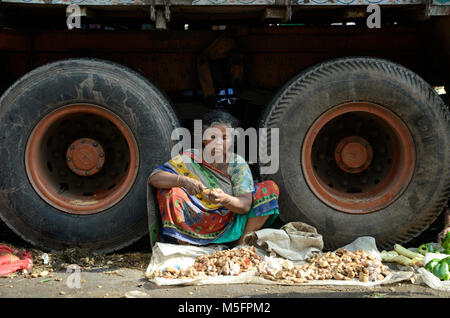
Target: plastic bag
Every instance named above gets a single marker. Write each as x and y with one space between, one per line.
13 260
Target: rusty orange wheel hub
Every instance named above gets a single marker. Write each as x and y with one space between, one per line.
358 157
353 154
85 157
81 159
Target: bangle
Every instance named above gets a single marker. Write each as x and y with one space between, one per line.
178 178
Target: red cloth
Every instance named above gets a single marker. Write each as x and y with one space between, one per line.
14 260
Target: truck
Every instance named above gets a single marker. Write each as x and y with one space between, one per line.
92 90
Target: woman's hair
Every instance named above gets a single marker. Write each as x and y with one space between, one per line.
215 117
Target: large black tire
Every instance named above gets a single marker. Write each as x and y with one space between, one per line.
132 98
308 95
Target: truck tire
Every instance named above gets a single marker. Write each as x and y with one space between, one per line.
79 140
364 150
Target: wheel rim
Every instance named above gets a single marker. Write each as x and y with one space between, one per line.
81 159
358 157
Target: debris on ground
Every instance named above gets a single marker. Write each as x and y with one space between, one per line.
45 263
136 294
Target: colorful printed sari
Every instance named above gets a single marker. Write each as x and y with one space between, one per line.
196 220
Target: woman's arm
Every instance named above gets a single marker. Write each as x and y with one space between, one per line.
167 180
240 204
164 180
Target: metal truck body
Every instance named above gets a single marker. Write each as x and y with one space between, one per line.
87 112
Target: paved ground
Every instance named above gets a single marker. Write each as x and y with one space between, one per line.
98 283
117 274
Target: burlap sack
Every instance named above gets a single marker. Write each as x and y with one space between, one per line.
295 241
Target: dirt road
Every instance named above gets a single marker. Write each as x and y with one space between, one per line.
117 282
79 274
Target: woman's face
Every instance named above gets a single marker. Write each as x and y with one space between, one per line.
218 140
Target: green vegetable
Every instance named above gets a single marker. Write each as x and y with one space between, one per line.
422 249
446 242
388 256
431 264
402 260
405 252
393 257
446 260
427 248
447 251
441 271
439 268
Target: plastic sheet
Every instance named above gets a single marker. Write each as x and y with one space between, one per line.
295 245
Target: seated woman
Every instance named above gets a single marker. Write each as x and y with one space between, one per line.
204 202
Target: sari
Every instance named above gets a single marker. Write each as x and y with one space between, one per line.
196 220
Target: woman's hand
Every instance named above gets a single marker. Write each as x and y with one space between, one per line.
191 185
239 205
217 196
443 233
446 229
